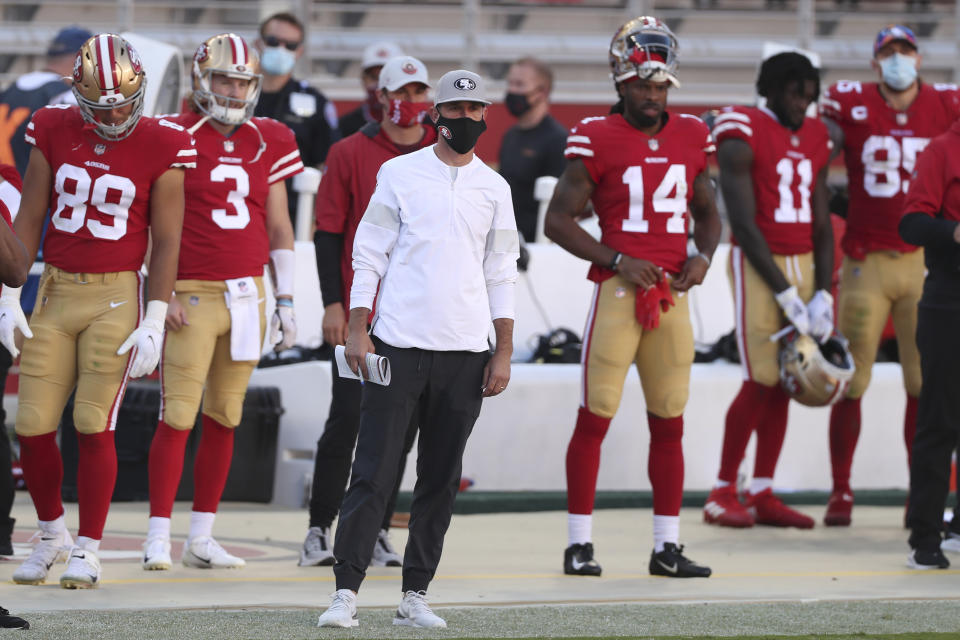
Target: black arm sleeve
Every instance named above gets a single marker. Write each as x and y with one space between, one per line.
926 231
329 249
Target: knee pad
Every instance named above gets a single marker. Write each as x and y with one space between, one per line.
179 415
33 421
227 409
88 418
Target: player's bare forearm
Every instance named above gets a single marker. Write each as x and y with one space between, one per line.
736 183
34 202
503 328
837 136
279 227
703 207
166 224
570 196
822 230
14 264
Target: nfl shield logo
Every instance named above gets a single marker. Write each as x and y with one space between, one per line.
653 144
100 149
902 119
228 146
795 141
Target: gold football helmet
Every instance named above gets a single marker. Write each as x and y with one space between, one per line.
230 55
108 74
812 373
645 48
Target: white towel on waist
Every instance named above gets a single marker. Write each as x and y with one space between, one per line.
245 338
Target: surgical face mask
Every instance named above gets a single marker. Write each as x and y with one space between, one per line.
277 61
899 71
405 113
517 104
460 133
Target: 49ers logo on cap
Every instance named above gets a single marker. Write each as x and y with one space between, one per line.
442 130
203 52
465 84
409 68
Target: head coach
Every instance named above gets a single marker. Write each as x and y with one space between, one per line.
439 238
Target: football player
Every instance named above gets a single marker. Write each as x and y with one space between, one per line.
235 222
643 167
109 178
347 186
773 164
881 127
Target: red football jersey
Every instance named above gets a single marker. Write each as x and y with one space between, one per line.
785 168
643 184
880 150
100 199
225 222
9 202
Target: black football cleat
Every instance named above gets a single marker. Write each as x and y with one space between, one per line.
578 561
673 564
8 621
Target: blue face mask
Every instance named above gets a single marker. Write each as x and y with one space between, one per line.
277 61
899 71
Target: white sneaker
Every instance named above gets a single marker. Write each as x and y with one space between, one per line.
342 611
156 554
384 555
415 612
83 570
51 548
206 553
317 550
951 543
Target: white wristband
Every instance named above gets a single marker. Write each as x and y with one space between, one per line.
156 311
11 293
284 263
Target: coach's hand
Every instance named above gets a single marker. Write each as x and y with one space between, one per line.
693 272
496 375
358 346
640 272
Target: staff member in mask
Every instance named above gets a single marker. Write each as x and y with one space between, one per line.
370 110
439 239
293 102
533 147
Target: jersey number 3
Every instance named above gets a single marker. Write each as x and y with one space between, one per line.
237 197
675 182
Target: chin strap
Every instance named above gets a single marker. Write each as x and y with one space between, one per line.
192 130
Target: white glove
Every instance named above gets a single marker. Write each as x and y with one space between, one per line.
820 311
11 317
283 326
148 339
793 307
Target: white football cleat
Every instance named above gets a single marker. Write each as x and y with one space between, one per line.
206 553
415 612
83 570
51 548
342 611
156 554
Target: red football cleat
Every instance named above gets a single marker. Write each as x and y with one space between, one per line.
838 509
768 509
723 508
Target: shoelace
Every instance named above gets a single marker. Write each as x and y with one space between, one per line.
314 542
418 602
340 601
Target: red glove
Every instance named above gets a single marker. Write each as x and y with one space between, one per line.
651 302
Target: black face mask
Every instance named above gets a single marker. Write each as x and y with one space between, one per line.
517 104
460 133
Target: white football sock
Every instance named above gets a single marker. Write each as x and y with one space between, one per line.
88 544
720 484
54 527
760 484
201 524
665 529
158 527
579 528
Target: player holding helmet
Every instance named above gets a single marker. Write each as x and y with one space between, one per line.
235 222
881 127
773 164
642 167
109 177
